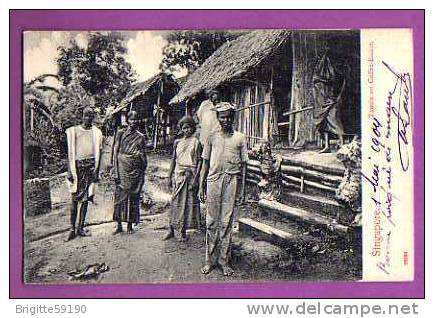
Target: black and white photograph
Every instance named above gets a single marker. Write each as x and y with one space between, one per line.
192 156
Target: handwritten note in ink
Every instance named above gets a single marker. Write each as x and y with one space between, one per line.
387 154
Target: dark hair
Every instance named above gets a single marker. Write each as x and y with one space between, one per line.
89 110
132 113
187 120
212 92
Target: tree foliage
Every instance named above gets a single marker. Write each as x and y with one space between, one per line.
69 105
100 69
39 126
189 49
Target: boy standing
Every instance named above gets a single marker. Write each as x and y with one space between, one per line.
224 157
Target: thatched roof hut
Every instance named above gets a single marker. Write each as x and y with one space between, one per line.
269 75
150 99
164 83
232 60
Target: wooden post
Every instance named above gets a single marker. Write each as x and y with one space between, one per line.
256 112
32 123
301 180
268 129
157 115
291 119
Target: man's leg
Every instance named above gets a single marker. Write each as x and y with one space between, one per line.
118 228
226 220
83 212
130 228
117 213
178 208
73 218
214 199
326 142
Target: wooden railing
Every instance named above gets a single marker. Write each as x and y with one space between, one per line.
292 113
300 175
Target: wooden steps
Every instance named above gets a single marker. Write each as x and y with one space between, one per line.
314 203
307 199
302 215
266 232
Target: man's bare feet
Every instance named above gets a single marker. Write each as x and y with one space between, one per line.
324 150
168 236
83 233
207 269
118 231
227 270
71 235
183 238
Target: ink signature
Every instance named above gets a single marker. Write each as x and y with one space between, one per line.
403 86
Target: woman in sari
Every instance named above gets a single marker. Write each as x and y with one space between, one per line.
129 171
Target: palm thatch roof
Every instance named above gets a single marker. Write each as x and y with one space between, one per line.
142 88
182 80
231 60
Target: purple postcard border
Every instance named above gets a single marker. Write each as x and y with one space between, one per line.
21 20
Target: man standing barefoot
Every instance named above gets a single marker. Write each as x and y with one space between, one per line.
84 153
224 158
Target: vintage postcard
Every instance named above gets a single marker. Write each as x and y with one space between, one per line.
229 155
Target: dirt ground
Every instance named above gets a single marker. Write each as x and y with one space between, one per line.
144 257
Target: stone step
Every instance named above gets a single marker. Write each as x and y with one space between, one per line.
258 255
267 232
302 215
314 203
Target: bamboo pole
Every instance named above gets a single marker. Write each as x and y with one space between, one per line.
32 119
302 182
269 109
255 170
289 113
326 169
157 116
253 105
311 173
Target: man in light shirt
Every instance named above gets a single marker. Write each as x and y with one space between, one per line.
224 158
84 153
207 117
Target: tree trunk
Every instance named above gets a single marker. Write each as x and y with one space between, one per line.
306 48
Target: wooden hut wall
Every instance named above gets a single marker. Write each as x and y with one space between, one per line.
254 121
308 47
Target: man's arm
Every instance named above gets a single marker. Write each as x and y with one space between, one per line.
172 165
243 182
206 156
98 164
69 152
115 152
244 158
202 182
144 156
198 165
112 154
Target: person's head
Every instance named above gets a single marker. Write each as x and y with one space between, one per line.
133 119
214 96
187 126
88 116
226 116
